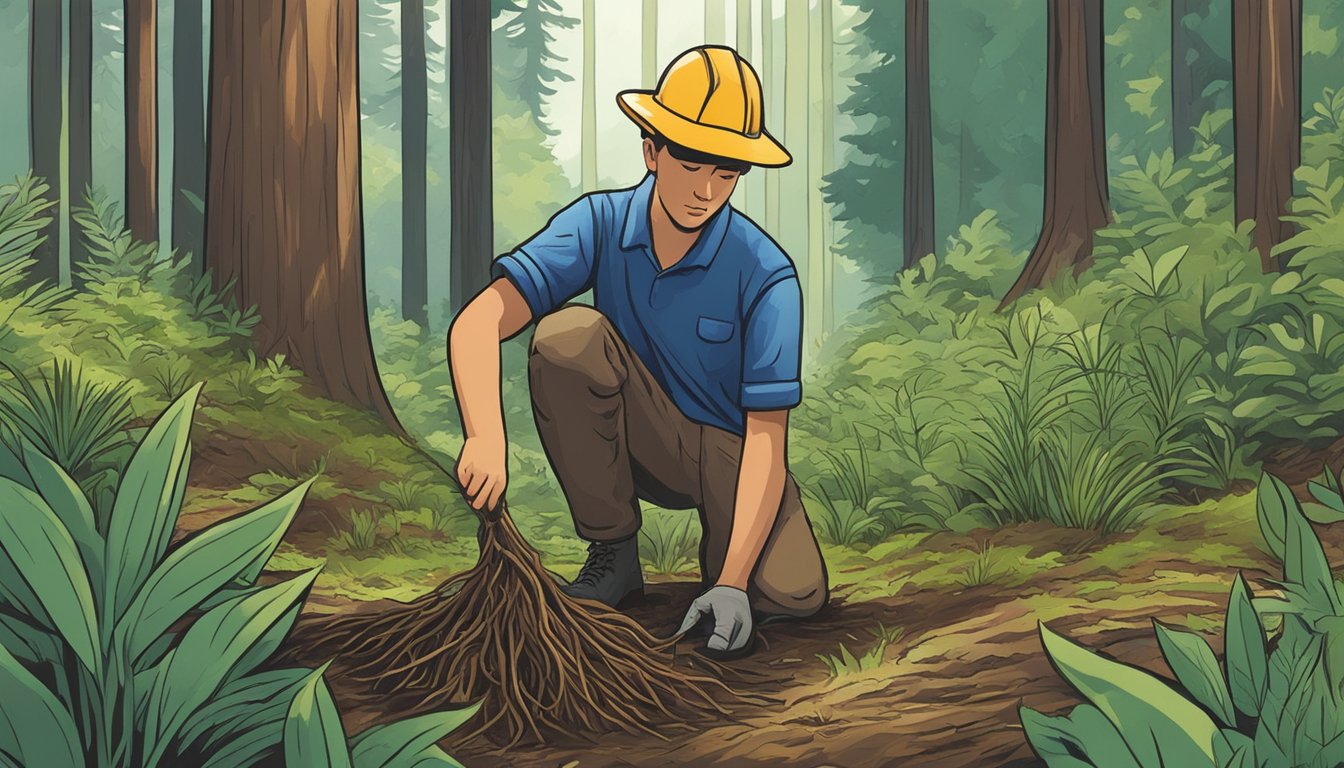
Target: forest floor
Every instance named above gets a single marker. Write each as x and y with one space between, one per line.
963 610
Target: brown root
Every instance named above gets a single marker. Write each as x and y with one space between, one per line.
539 661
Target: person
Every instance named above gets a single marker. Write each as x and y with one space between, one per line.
675 386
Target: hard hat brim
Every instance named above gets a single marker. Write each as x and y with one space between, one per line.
647 113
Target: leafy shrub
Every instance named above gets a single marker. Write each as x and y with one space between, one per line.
668 543
1274 701
116 651
72 419
261 383
113 253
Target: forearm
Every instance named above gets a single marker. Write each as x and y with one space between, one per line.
473 353
760 488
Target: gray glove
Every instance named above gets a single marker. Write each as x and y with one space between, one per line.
731 612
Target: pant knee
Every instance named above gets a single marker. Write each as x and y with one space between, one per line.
573 338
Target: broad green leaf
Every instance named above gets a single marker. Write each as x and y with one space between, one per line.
68 501
1160 726
1247 657
434 758
1196 668
204 564
34 728
1085 731
1273 502
1166 264
403 743
47 559
245 719
1305 565
29 643
147 503
313 732
209 651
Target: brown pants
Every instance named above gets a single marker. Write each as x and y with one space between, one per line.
613 436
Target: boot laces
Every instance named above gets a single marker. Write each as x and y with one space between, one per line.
601 562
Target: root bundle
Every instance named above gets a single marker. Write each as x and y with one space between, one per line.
539 661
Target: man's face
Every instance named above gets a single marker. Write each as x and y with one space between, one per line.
690 192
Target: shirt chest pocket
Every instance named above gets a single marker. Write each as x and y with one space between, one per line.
713 330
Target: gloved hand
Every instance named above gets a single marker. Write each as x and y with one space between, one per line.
731 613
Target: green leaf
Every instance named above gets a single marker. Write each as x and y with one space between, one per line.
34 728
403 743
47 559
245 720
203 565
1305 565
313 733
68 501
1160 726
1247 654
1196 668
1273 500
209 652
1085 731
147 503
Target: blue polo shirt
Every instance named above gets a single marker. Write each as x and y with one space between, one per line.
721 329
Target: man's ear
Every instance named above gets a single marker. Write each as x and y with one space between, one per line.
650 156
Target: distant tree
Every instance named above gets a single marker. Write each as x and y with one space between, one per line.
188 133
1077 202
531 31
286 225
469 92
588 148
827 160
1195 71
715 32
750 190
648 46
867 189
81 115
795 225
773 109
919 200
1267 99
142 119
44 123
414 158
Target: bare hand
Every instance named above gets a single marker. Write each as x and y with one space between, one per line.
482 469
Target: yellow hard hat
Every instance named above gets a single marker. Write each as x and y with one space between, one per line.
708 100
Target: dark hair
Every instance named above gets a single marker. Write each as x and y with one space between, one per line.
688 155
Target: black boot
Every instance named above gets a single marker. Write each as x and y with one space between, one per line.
611 575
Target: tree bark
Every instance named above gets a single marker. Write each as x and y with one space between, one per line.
44 125
284 211
414 149
588 150
188 134
142 128
472 242
1077 202
81 117
919 201
648 50
1267 107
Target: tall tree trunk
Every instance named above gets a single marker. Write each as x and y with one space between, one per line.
414 150
918 228
44 124
588 149
773 109
287 223
715 33
827 159
1183 89
142 121
81 117
749 194
472 187
188 133
1076 199
795 223
648 50
1267 107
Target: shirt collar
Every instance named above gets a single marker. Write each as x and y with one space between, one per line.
636 233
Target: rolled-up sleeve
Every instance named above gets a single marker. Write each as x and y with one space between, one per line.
772 347
555 264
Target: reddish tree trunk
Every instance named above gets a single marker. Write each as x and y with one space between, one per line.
1077 202
1267 106
142 128
918 135
284 209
